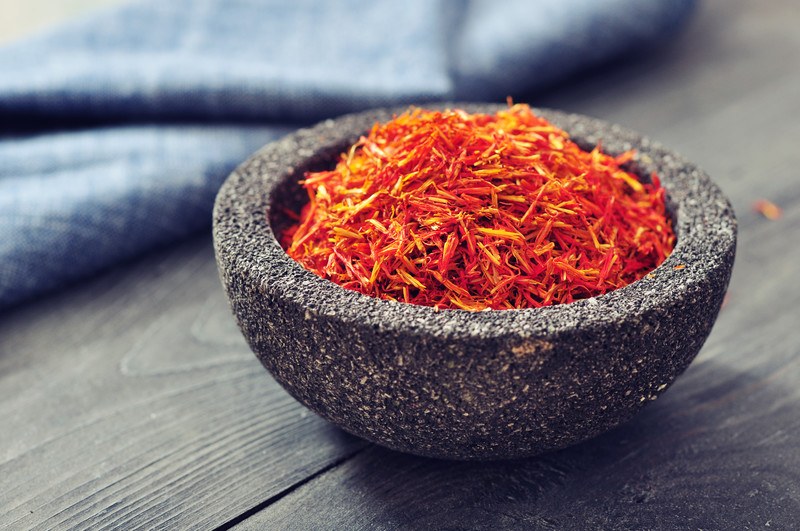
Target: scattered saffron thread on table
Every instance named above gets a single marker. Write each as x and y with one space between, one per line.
475 211
768 209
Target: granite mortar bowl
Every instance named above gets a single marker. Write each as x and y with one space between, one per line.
458 384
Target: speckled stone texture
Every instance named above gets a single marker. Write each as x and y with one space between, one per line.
457 384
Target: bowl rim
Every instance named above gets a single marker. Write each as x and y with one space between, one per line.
703 220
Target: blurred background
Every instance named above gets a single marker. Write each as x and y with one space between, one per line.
20 18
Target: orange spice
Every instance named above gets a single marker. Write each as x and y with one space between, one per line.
476 211
768 209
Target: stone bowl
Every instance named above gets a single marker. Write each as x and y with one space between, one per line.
458 384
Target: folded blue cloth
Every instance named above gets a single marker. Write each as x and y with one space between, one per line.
117 130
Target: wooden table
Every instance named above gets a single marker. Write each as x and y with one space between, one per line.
132 400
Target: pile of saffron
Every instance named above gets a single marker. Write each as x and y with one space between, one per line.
476 211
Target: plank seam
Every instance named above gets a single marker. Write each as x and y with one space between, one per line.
288 490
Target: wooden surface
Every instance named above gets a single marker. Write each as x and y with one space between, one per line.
132 401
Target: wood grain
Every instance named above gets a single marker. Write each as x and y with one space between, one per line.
133 402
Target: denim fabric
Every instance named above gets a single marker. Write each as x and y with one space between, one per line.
116 130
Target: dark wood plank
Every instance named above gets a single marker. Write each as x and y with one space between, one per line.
720 449
133 401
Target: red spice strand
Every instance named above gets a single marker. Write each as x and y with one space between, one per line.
454 210
768 209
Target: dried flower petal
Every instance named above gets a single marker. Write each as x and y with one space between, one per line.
768 209
476 211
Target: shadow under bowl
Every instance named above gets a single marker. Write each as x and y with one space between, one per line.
458 384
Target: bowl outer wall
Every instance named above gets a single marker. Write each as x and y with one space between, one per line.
471 385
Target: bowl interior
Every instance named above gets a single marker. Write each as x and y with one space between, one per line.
288 195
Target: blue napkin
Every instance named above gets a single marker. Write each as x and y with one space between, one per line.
116 130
